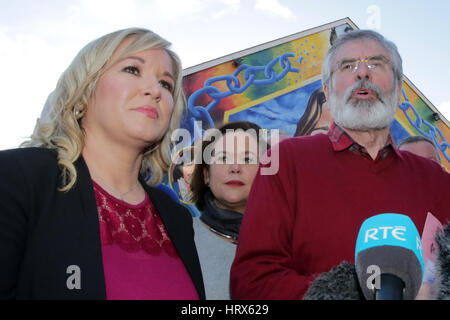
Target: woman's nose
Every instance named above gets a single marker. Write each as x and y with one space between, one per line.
235 167
153 88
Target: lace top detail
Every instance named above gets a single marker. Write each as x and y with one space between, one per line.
132 227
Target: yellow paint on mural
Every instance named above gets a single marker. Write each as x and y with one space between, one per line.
312 49
415 100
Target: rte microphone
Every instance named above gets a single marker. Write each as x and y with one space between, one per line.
389 258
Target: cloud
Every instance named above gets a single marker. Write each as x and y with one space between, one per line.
231 6
181 9
110 11
275 8
194 10
28 65
444 108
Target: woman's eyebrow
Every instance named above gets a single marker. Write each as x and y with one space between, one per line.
168 74
222 152
141 60
136 58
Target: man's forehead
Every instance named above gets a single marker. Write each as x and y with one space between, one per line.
420 145
360 48
423 148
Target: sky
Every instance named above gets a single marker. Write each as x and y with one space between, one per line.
39 39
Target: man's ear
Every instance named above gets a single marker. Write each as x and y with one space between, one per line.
326 90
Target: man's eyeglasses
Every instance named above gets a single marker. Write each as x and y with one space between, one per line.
376 64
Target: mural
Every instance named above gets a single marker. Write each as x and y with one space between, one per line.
278 86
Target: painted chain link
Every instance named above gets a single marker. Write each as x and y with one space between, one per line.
235 87
434 131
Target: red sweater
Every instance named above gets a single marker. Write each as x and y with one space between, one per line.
305 219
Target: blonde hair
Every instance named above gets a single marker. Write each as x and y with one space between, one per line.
59 126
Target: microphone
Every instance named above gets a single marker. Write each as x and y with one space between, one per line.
443 264
340 283
389 258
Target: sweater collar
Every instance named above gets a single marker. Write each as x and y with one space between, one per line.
340 141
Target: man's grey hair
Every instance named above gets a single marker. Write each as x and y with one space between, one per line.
394 56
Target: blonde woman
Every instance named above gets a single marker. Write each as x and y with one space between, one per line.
77 218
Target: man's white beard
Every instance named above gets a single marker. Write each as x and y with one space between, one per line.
363 115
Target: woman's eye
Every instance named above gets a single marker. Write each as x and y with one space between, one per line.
166 85
132 69
249 160
220 160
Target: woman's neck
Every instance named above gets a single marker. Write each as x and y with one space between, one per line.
113 167
240 208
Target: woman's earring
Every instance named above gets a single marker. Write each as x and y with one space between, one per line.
79 111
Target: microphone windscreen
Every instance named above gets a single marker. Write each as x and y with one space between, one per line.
340 283
389 243
443 264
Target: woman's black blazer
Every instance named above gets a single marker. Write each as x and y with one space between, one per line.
44 231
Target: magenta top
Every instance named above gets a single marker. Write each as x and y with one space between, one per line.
139 259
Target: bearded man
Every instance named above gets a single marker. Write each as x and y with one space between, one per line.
304 220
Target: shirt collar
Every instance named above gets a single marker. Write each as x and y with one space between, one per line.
340 140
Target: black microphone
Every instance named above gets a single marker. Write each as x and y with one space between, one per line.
340 283
443 264
389 258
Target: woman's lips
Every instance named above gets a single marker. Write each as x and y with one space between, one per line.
149 111
234 183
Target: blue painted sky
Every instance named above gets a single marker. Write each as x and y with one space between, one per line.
38 39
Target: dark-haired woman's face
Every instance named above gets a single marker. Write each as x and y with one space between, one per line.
233 169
